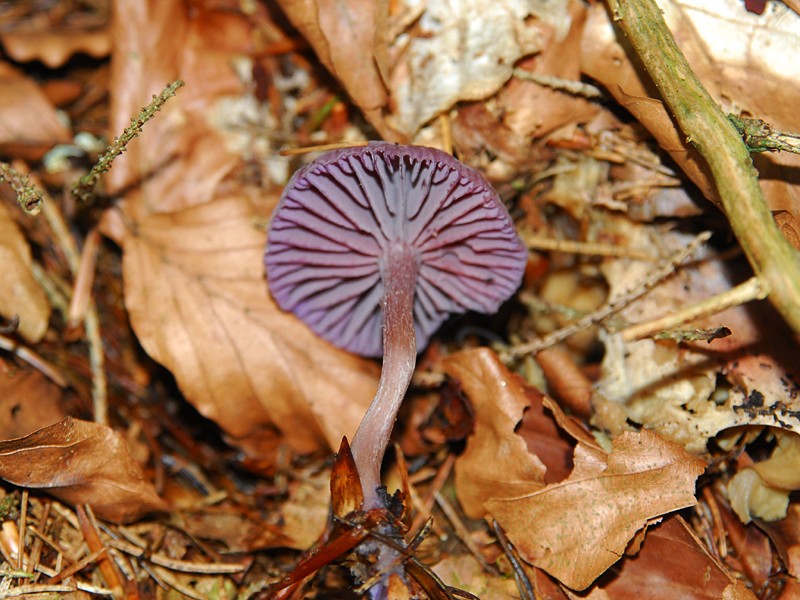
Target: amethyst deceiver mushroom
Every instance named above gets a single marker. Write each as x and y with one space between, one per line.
394 239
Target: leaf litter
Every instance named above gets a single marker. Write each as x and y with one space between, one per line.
223 411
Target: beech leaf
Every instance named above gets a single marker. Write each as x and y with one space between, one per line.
496 462
20 294
579 527
199 304
673 563
80 462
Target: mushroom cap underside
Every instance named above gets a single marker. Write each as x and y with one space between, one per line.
343 215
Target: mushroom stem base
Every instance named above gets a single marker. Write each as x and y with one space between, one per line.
399 274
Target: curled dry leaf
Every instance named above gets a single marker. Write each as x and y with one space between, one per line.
577 528
533 110
199 305
81 463
20 294
785 535
496 462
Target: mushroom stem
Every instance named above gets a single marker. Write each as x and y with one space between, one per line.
399 275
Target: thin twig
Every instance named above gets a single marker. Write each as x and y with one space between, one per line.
609 309
33 359
524 586
94 338
321 148
700 119
537 242
463 533
741 294
570 86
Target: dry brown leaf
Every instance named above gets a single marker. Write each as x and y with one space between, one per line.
237 531
80 462
465 573
304 515
673 563
579 527
192 255
533 110
346 36
462 52
184 155
496 462
28 401
55 47
35 126
20 294
785 535
195 291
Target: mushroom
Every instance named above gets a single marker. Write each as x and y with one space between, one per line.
392 239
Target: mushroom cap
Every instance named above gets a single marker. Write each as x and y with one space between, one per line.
339 217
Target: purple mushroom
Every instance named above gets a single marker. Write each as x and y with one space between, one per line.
373 247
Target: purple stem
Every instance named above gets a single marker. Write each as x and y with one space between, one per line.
399 274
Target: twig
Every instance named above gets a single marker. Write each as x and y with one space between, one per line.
536 242
523 583
321 148
33 359
699 117
570 86
91 321
760 136
83 188
741 294
23 524
463 533
609 309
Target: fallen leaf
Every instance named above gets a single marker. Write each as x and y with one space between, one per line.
80 462
496 462
346 36
192 254
673 563
579 527
533 110
20 295
304 515
462 52
35 126
785 535
465 573
183 156
55 47
198 302
28 401
751 496
228 525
